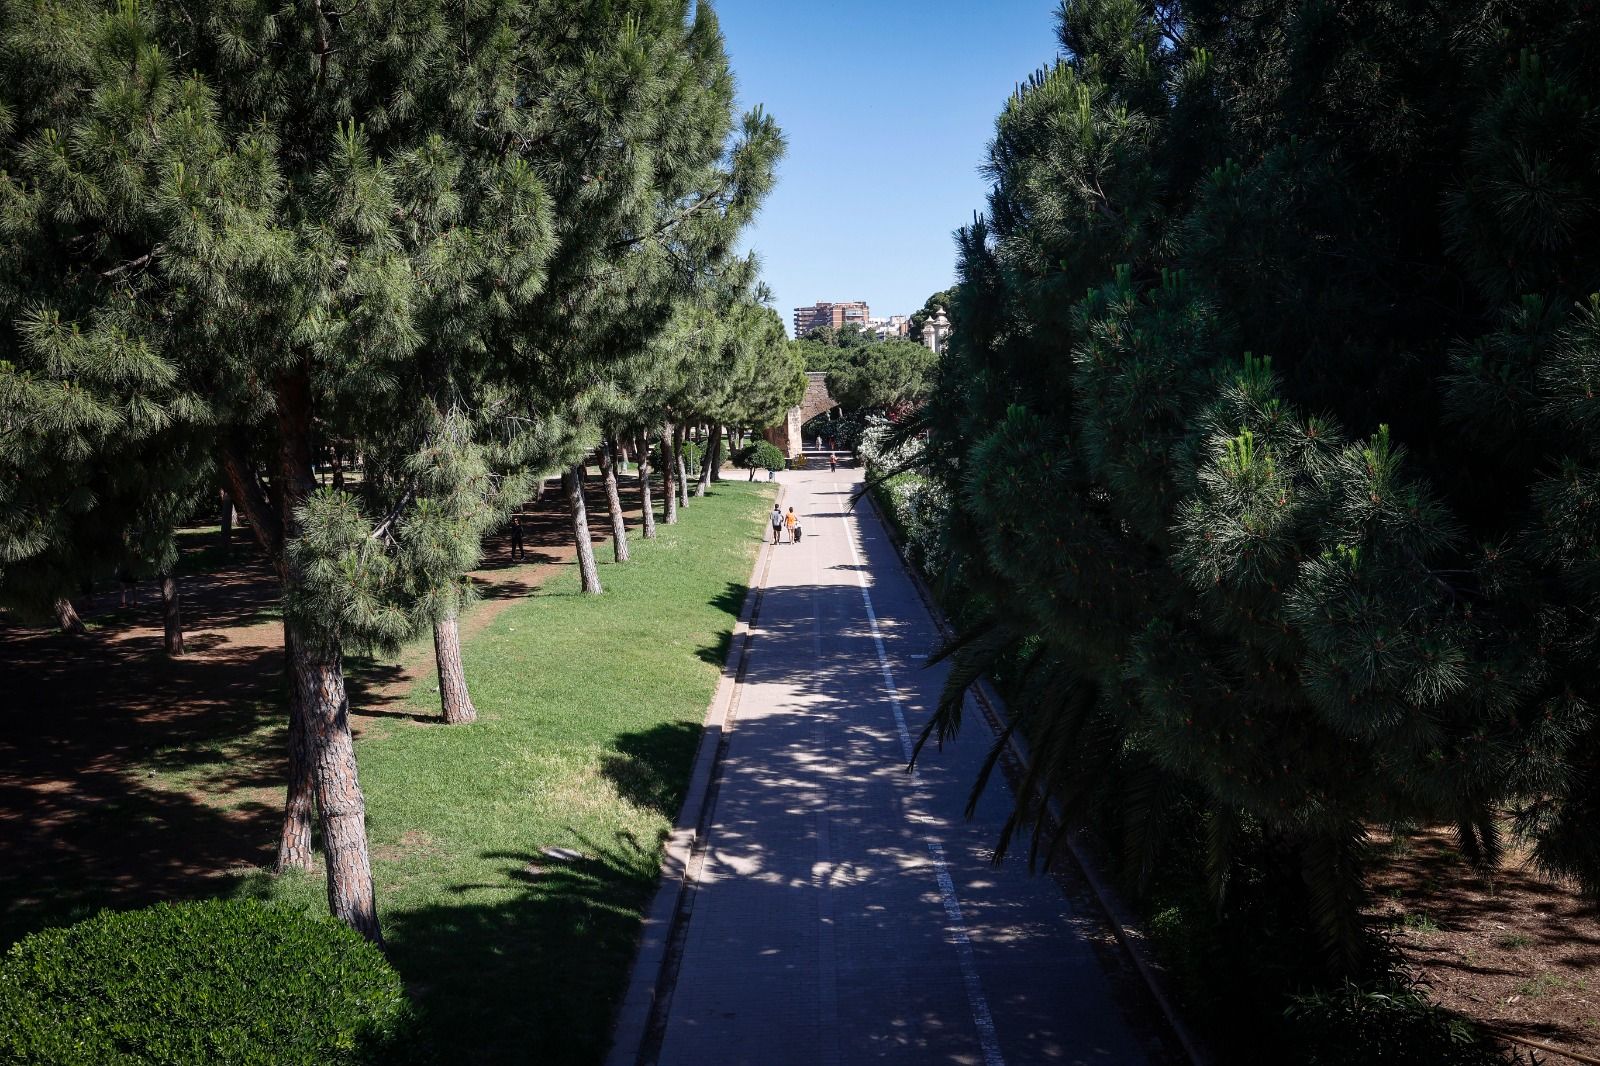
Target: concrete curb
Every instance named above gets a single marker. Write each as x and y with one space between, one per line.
1119 917
650 980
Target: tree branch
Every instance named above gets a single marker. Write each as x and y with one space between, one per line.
134 264
251 498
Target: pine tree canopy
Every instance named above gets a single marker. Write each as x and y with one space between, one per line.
426 230
890 375
426 223
1269 421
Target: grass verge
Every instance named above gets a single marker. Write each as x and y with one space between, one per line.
590 710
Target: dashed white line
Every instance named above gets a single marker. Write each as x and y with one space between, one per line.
982 1019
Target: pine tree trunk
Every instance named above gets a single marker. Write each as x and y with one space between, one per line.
572 484
647 505
338 470
341 808
680 467
315 664
171 615
714 454
67 618
227 522
707 462
619 526
669 486
454 699
294 837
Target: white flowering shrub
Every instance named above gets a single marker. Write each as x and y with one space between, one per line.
917 505
924 510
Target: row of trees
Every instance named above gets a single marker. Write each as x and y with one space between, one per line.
1270 427
471 242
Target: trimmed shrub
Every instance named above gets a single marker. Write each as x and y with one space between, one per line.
218 981
763 455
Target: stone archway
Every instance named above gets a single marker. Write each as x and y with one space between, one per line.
817 400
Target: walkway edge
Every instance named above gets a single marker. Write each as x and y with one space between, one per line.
1118 915
631 1028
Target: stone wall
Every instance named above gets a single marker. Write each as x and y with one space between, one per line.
816 401
786 435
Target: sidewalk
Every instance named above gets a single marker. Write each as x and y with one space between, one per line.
843 910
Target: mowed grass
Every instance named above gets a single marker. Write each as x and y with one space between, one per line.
590 710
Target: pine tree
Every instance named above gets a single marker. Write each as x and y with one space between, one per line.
1338 582
367 225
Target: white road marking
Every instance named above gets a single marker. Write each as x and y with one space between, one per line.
988 1038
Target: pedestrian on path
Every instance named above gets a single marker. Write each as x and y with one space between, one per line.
833 462
777 521
788 520
517 550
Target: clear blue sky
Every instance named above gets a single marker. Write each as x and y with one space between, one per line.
888 107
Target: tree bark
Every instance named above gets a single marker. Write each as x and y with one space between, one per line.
67 618
315 663
454 698
680 466
619 526
171 615
455 701
714 454
707 461
572 484
341 808
294 837
646 505
669 486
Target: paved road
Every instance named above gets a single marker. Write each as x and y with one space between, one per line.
846 911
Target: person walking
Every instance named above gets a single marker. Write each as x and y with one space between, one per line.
517 550
776 519
833 462
788 521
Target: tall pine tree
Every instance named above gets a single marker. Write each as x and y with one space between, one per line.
1271 469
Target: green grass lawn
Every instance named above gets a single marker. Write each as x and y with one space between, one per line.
590 709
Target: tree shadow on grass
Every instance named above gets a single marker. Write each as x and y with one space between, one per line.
127 777
649 767
730 601
534 977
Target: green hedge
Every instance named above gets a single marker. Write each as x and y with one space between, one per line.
219 981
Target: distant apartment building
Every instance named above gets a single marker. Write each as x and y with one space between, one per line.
836 315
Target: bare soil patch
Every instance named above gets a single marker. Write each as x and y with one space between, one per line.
1515 951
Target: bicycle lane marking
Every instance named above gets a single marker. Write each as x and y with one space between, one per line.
988 1038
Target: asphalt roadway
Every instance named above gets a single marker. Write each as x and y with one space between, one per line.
843 909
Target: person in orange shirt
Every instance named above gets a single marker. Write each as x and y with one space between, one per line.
789 521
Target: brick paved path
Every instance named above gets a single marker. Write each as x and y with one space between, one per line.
845 910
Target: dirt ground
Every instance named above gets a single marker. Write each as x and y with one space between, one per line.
1517 951
127 777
